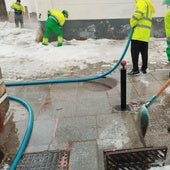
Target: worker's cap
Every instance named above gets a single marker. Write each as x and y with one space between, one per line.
65 13
166 2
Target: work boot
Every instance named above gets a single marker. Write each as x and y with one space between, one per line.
45 41
144 71
133 72
59 44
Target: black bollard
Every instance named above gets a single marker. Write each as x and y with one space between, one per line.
123 85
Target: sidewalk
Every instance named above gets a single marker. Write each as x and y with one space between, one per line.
83 117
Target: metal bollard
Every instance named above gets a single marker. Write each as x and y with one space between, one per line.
123 85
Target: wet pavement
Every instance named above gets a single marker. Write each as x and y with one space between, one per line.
83 118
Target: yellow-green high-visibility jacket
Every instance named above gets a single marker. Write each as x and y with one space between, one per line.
58 16
17 7
167 24
141 20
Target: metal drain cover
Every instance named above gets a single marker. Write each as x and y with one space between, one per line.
47 160
135 159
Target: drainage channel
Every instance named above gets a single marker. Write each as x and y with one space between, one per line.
47 160
135 159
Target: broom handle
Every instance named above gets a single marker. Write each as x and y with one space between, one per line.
167 83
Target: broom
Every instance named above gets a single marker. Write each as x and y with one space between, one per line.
39 35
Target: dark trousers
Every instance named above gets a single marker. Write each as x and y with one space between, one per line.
19 19
139 47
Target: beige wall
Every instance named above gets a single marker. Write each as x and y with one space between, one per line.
96 9
88 9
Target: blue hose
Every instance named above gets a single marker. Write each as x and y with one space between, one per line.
71 80
27 133
40 82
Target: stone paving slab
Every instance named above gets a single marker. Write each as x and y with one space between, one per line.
83 119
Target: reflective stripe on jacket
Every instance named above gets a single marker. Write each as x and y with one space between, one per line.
58 16
167 24
141 20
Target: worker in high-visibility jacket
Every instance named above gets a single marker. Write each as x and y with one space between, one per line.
54 23
167 27
18 13
141 22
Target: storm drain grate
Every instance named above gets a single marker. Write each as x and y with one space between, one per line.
47 160
135 159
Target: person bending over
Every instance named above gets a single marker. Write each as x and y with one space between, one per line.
54 23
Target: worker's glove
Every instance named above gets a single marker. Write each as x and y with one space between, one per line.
168 53
60 44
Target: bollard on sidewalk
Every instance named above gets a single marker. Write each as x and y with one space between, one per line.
123 85
123 105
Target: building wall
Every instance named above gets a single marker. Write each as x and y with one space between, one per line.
94 18
87 9
98 18
95 9
104 28
3 12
